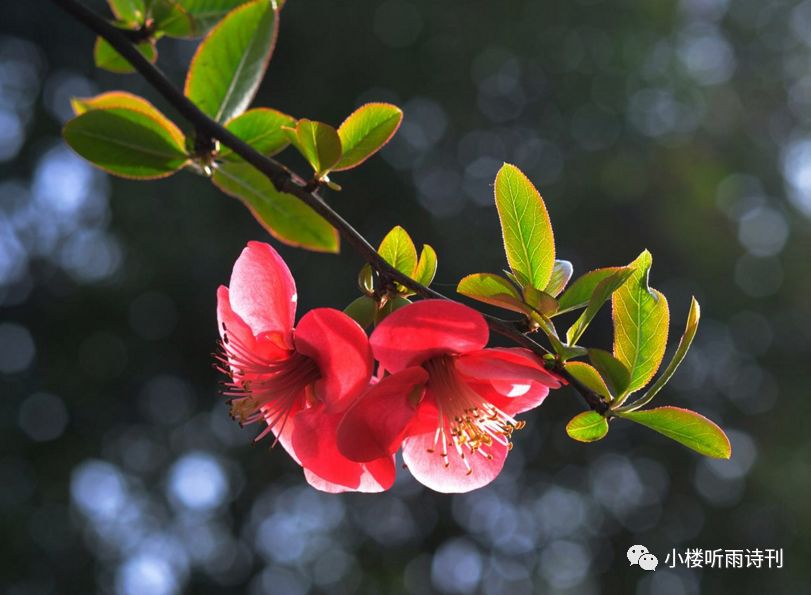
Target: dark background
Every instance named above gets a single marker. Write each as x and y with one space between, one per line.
681 127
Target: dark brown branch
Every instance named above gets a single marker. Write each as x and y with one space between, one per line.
286 181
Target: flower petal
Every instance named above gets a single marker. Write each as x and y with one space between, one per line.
341 349
516 365
313 444
426 329
238 335
374 425
263 291
371 481
429 467
512 398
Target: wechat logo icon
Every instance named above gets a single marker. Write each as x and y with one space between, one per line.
639 554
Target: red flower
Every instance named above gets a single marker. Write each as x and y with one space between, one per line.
448 401
298 381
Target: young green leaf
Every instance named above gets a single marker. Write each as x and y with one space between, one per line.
588 377
426 266
123 99
319 143
539 300
525 226
399 251
130 12
365 132
363 310
127 142
230 62
580 292
588 426
107 58
641 319
561 273
602 292
611 369
686 427
684 344
283 215
191 18
262 128
494 290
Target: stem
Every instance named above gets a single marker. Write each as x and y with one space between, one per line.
286 181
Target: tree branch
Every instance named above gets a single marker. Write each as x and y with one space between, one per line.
286 181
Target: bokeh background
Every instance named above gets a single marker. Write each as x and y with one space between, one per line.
678 126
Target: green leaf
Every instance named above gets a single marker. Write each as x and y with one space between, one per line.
192 18
525 226
602 292
390 306
588 377
319 143
561 273
127 142
363 310
641 319
230 62
286 217
611 369
684 345
426 266
366 279
588 426
579 293
107 58
131 12
539 300
494 290
262 129
399 251
686 427
365 132
123 99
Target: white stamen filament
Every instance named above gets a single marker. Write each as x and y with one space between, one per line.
467 421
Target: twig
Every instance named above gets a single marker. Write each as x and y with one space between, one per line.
286 181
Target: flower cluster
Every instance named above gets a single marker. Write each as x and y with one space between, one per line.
438 394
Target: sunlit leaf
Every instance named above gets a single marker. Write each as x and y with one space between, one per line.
494 290
613 371
261 128
579 293
123 99
686 427
191 18
588 377
229 64
602 292
561 273
132 12
641 319
399 251
283 215
365 132
107 58
684 345
127 142
539 300
588 426
525 226
319 143
426 266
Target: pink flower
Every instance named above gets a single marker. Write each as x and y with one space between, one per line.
297 381
449 402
